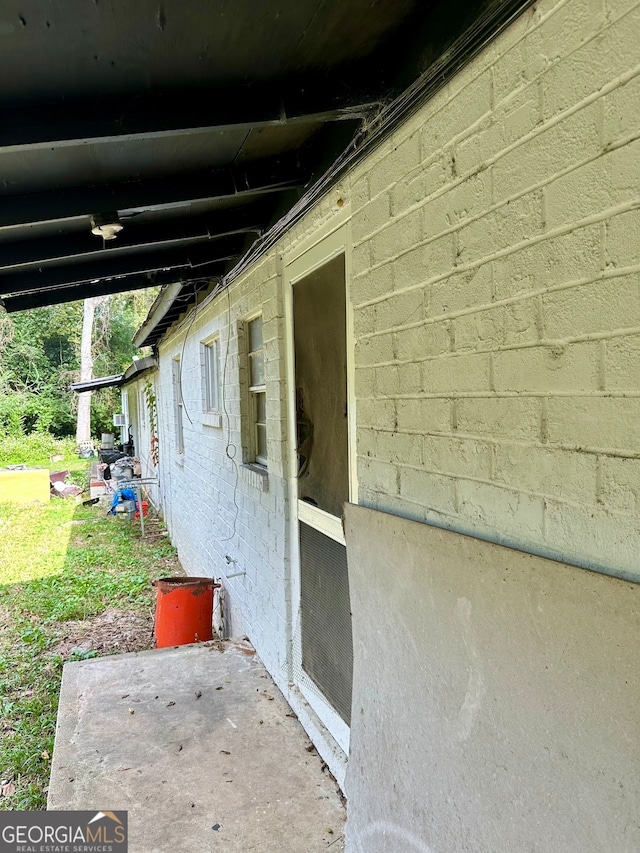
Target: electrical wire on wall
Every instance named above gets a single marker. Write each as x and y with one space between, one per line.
230 452
231 449
184 344
230 445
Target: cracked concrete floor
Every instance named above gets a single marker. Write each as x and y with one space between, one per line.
187 739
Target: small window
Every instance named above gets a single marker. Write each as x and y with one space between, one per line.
178 405
257 391
212 388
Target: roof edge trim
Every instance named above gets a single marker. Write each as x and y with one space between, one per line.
96 384
160 307
137 367
496 18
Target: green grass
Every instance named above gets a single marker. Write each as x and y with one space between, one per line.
37 449
53 569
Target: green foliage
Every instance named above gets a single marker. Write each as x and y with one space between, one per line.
37 363
152 408
24 411
104 403
39 359
36 450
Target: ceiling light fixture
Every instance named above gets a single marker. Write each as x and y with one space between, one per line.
106 225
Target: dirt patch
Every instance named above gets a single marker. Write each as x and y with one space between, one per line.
110 632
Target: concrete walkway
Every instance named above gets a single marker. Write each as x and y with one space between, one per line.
195 743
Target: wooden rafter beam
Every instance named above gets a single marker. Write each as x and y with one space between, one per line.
200 279
189 258
55 125
253 179
163 235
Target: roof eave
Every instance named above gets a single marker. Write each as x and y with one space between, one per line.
138 367
98 383
162 304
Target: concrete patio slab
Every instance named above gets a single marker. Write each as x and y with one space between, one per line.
196 744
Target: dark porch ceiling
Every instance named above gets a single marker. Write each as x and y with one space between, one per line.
198 122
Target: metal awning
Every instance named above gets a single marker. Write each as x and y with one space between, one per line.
137 367
97 384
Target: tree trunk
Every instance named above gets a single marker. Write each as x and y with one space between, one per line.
83 427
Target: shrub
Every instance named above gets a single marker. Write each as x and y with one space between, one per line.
34 450
23 411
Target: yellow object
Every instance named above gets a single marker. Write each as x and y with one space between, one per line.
24 487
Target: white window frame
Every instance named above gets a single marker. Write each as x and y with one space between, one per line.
211 381
178 404
255 392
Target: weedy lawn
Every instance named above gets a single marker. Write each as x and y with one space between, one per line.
74 583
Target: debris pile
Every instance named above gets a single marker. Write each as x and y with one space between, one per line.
60 488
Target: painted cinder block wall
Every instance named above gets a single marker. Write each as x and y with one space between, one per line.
496 261
496 296
225 517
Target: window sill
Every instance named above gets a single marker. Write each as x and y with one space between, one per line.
212 419
255 475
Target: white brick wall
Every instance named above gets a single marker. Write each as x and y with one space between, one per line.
495 281
215 506
497 294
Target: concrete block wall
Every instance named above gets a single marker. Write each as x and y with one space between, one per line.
495 287
223 516
496 290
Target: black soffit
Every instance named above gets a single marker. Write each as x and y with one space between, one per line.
112 266
191 281
199 125
76 246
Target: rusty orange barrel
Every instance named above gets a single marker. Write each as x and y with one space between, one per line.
184 611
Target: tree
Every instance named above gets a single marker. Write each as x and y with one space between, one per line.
83 422
40 358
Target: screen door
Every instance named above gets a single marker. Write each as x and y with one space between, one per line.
322 481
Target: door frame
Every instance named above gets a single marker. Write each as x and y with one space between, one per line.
329 242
